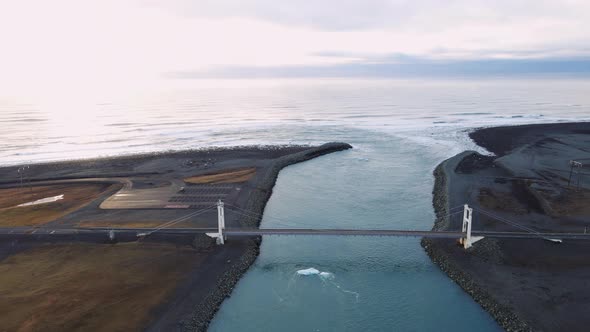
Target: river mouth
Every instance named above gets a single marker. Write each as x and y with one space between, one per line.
350 283
400 129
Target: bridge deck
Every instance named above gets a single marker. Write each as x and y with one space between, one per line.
294 232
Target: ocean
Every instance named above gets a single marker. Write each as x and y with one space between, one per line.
400 131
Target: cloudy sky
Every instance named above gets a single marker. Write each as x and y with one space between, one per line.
119 40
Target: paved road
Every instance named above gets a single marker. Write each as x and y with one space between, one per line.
292 232
151 198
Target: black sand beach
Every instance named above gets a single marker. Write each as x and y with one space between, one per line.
526 285
200 283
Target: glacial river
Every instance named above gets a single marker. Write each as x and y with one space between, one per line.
400 131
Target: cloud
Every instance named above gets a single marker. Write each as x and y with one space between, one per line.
409 67
454 28
326 15
408 15
113 41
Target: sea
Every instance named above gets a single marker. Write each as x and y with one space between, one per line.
399 129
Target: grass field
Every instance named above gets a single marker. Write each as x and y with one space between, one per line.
75 197
573 202
226 176
84 287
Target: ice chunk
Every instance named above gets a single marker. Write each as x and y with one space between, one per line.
308 272
326 275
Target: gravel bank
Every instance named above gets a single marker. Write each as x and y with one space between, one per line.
524 284
504 315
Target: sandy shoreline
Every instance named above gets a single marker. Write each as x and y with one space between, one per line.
529 284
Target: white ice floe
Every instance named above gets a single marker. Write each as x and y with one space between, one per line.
314 271
308 272
328 279
43 200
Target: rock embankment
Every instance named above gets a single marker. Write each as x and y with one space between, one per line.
504 315
256 203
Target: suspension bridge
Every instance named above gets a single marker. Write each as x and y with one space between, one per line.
466 236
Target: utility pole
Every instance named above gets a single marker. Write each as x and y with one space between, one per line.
573 164
29 179
21 172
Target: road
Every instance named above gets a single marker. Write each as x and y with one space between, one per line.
231 232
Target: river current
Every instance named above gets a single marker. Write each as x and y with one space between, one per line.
400 130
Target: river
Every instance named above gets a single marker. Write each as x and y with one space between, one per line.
400 130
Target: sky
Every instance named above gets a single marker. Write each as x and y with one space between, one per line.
73 42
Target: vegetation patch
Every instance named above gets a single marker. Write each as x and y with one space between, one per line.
225 176
571 202
499 201
75 197
87 287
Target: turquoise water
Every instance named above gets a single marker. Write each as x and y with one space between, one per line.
376 284
400 130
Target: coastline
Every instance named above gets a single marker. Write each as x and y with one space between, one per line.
209 279
504 315
518 283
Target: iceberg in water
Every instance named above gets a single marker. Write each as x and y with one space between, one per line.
308 272
327 279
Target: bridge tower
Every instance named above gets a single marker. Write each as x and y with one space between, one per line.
468 240
219 236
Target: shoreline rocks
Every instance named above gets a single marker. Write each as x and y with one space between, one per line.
205 312
504 315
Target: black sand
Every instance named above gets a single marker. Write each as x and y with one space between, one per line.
526 285
196 299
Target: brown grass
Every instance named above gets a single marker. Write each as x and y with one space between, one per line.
75 197
499 201
572 202
83 287
226 176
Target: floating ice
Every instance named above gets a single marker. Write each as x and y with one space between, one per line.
314 271
308 272
44 200
328 279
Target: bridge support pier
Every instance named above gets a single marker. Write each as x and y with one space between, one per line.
468 240
219 236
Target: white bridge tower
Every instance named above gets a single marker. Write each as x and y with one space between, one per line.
468 240
219 236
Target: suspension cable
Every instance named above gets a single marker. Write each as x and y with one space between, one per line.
177 220
512 223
